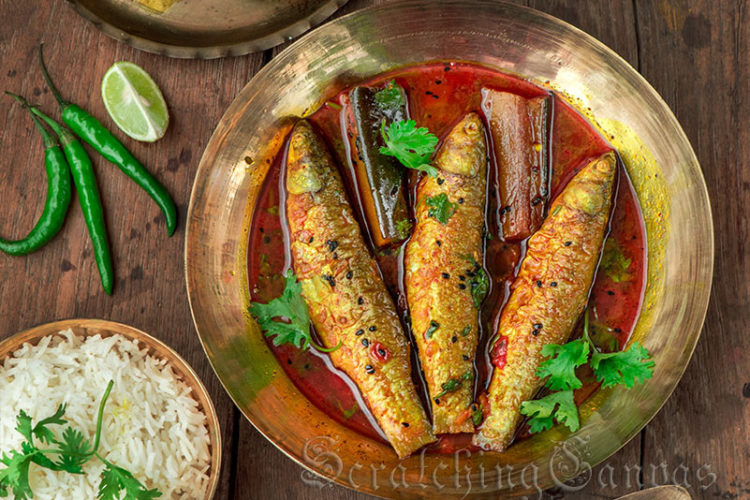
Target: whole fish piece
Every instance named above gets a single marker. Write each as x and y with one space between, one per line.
518 127
345 294
443 267
548 295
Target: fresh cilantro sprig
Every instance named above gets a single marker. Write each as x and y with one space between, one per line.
440 207
411 145
479 282
291 307
611 369
72 451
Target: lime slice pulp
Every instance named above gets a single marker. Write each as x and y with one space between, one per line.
134 102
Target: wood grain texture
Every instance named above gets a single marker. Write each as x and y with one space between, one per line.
694 52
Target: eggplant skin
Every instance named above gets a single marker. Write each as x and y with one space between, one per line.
345 294
437 285
552 289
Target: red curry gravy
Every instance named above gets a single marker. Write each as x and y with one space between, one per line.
439 95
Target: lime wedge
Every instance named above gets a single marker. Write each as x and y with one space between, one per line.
134 102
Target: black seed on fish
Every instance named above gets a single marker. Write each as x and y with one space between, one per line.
438 242
330 279
262 230
360 301
405 424
373 328
349 275
365 342
360 332
461 286
289 361
462 277
370 370
539 284
465 357
553 284
440 181
311 239
460 201
454 339
568 243
427 92
535 332
335 255
307 366
446 275
437 401
537 326
381 352
438 82
332 245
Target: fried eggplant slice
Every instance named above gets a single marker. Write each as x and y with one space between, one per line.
380 178
548 296
345 294
518 127
442 268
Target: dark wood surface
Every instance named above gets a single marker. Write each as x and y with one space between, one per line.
696 53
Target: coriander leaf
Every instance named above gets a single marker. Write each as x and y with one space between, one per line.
23 425
403 227
411 145
75 451
390 99
440 208
453 384
479 282
42 432
292 307
562 363
116 479
624 367
15 476
558 406
614 263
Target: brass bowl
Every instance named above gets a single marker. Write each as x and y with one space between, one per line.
206 29
156 348
659 159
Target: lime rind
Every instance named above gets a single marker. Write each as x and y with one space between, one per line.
134 102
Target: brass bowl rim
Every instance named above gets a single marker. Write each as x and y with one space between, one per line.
211 52
156 348
704 296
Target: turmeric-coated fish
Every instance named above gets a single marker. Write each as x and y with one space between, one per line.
345 294
445 283
548 295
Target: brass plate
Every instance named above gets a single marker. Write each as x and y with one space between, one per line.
156 348
659 159
206 28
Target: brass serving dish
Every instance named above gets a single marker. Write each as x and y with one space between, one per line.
156 348
206 28
658 157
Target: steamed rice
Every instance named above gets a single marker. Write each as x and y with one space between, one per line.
152 426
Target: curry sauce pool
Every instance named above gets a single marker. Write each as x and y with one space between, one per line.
439 95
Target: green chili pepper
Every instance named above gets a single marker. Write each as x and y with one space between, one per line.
88 197
58 196
98 137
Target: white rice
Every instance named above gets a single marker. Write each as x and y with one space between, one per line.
152 425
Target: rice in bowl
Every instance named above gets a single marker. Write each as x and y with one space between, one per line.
152 425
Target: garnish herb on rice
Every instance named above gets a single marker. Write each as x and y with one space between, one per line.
67 452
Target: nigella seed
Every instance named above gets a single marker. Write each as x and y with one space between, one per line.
330 279
289 361
535 332
369 369
465 357
462 277
438 242
360 301
349 275
610 292
537 326
373 328
461 286
335 255
460 201
553 284
360 332
454 339
405 424
446 275
332 245
381 352
365 342
539 284
440 181
617 330
568 243
437 401
438 82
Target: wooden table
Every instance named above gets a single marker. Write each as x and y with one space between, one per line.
696 53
